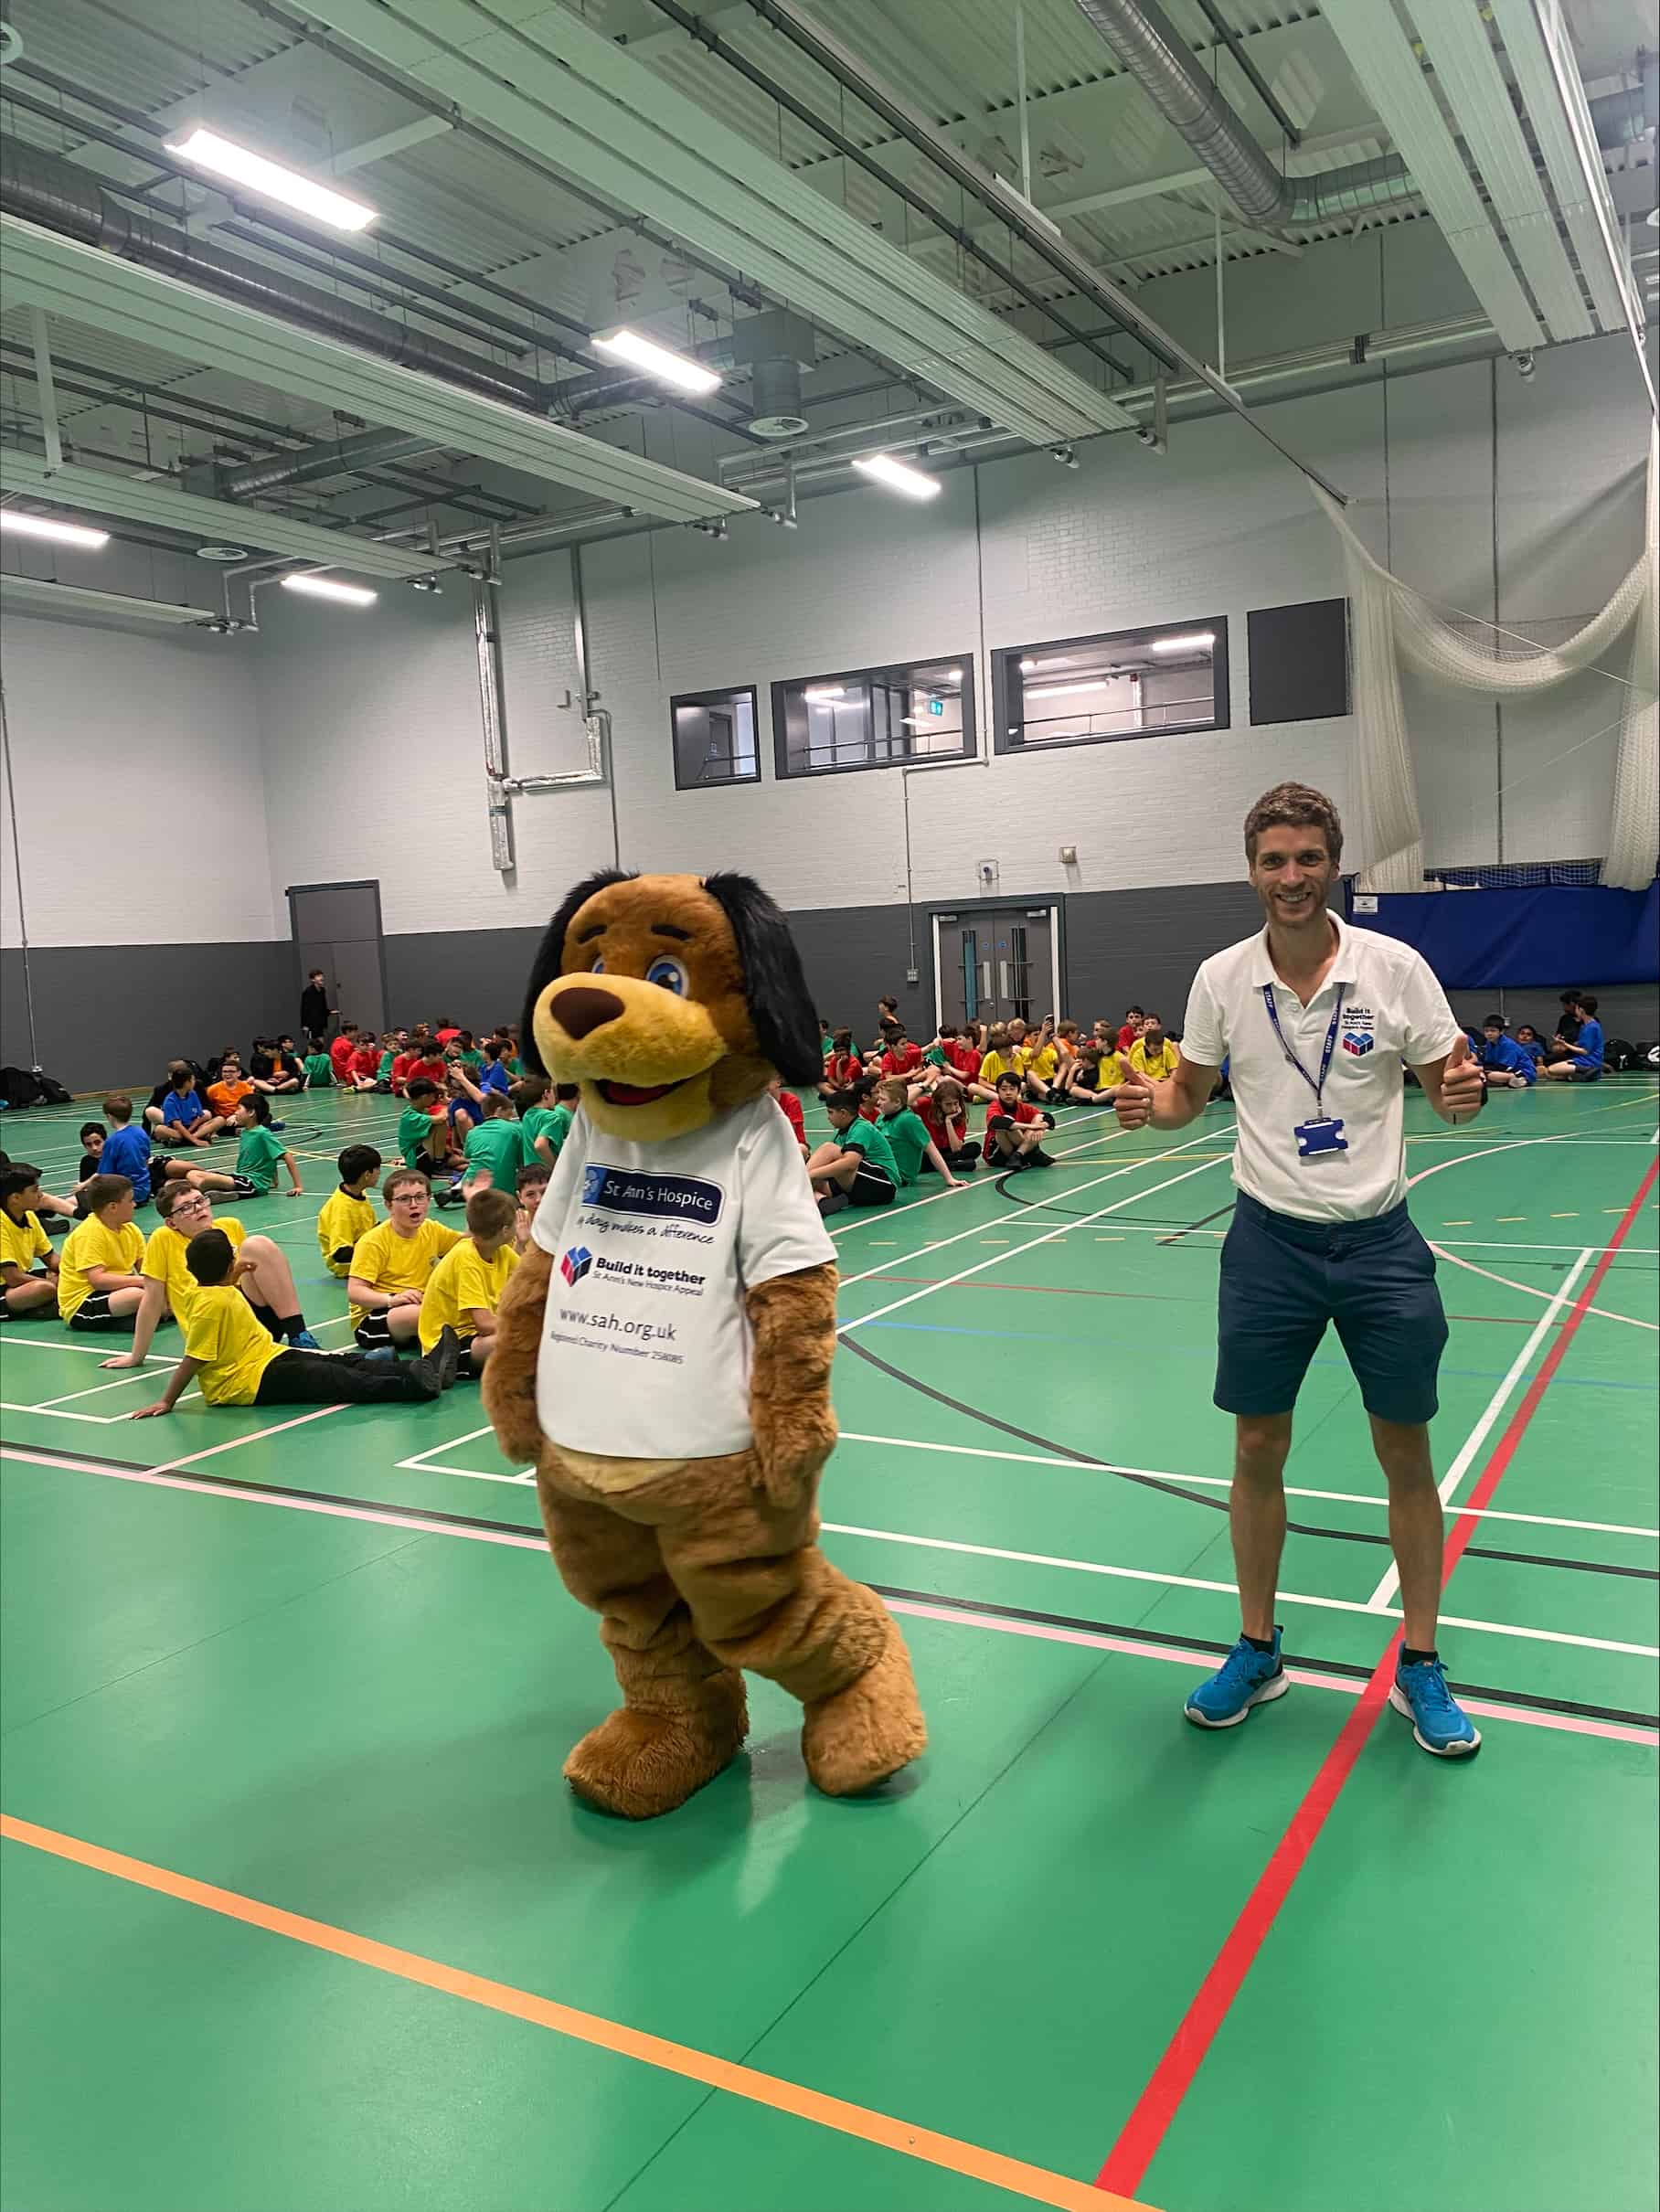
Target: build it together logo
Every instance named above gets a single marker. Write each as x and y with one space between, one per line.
576 1263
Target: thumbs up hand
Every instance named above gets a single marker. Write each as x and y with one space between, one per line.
1462 1083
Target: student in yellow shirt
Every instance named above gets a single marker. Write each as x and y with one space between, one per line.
466 1286
239 1365
99 1284
1035 1059
265 1277
1154 1054
392 1263
347 1215
1096 1077
998 1060
27 1288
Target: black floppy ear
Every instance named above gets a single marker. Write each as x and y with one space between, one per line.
550 954
781 1009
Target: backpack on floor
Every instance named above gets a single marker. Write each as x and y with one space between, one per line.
52 1092
1618 1056
19 1088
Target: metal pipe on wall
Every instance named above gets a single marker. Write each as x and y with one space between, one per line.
22 929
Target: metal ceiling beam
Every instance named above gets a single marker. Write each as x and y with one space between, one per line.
140 499
41 595
414 134
93 287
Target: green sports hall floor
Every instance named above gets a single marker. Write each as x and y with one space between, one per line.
298 1912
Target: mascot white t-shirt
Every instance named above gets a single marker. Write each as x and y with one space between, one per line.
646 1344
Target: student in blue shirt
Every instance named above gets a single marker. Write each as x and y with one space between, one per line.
1530 1042
492 1076
1508 1065
1582 1061
184 1116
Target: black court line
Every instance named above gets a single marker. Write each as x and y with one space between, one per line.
973 1606
1203 1221
1218 1504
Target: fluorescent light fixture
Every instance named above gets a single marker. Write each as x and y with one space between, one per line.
1056 660
898 476
821 695
953 675
1199 641
55 532
223 157
659 361
324 587
1057 691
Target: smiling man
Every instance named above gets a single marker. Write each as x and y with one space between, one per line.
1317 1022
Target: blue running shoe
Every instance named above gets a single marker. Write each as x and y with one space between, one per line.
1440 1724
1246 1677
305 1342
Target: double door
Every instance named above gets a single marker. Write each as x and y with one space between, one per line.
337 927
995 964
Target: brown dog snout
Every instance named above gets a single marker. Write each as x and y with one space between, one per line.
583 1009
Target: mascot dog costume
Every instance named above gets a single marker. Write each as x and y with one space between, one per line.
662 1350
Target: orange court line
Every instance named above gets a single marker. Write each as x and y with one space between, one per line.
1036 2184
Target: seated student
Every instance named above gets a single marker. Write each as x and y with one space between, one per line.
274 1067
1035 1059
1066 1041
1508 1066
789 1105
258 1154
393 1261
403 1059
29 1265
826 1040
347 1215
1154 1055
235 1363
99 1284
363 1071
534 1115
1130 1028
231 1087
341 1054
493 1075
910 1139
465 1287
184 1116
1581 1057
900 1056
995 1061
267 1282
854 1168
423 1128
92 1136
127 1150
386 1054
1015 1130
318 1069
467 1051
426 1059
447 1030
493 1151
943 1112
842 1066
464 1102
531 1187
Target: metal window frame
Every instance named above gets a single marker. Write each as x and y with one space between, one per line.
970 729
715 696
1002 656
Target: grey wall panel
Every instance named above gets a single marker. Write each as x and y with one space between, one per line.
478 975
108 1014
1142 947
854 955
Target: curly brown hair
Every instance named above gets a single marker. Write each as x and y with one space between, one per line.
1297 806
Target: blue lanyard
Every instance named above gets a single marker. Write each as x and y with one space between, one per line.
1326 1058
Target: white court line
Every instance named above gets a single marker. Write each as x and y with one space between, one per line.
234 1443
13 1341
944 1611
1219 1482
1228 1590
862 1321
1387 1588
863 1217
101 1420
420 1459
121 1382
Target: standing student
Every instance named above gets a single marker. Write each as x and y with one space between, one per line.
99 1284
392 1263
315 1008
465 1287
855 1166
265 1279
910 1139
1317 1021
237 1363
347 1215
27 1286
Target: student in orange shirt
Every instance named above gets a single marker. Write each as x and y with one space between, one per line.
231 1087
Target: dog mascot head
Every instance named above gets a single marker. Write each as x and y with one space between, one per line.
669 999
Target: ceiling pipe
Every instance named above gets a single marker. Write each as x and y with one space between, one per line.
329 457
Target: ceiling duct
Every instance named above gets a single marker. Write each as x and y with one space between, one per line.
330 457
774 347
1156 56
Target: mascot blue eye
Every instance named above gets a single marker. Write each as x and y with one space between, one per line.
598 966
669 973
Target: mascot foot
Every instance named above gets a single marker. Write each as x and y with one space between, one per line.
856 1739
645 1760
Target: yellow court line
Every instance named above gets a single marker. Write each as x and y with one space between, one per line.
1036 2184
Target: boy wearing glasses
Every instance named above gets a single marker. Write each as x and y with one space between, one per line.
266 1280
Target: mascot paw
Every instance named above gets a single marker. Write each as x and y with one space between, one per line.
856 1739
645 1760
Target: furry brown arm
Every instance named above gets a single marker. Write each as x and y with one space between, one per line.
793 1320
509 1378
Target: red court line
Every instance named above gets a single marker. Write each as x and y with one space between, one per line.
1160 2100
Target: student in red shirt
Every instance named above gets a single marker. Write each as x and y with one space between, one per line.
789 1105
1131 1028
901 1057
1014 1131
943 1112
425 1059
962 1053
843 1067
341 1051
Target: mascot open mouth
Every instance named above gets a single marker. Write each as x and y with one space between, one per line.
636 1094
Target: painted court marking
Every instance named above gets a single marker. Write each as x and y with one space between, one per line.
1036 2184
1161 2099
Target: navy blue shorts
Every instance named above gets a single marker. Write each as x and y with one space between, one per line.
1283 1278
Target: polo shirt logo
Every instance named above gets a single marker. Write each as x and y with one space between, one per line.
1358 1045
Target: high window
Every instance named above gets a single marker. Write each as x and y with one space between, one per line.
1102 690
874 718
713 737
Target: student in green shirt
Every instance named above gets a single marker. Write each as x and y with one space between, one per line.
543 1128
260 1152
423 1132
319 1071
908 1137
856 1166
493 1147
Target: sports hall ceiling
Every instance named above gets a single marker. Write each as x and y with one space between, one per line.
844 207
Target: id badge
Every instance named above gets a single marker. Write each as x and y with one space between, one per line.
1317 1137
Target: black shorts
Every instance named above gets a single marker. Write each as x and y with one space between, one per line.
871 1186
373 1331
94 1317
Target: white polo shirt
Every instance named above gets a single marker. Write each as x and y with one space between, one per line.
1395 1015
